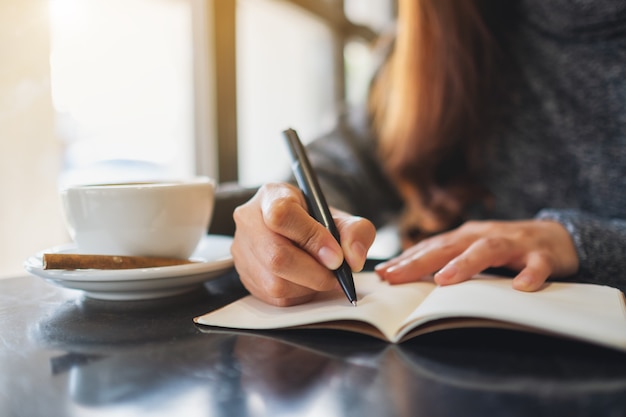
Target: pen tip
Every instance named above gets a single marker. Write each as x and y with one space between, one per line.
354 303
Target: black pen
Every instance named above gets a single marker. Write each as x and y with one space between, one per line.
316 204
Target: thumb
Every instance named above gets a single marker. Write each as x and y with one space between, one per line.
357 235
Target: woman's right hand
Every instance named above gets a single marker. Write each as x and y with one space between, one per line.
284 256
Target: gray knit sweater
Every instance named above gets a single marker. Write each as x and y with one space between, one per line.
559 136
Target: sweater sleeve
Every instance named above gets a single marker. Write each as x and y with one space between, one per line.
600 244
351 176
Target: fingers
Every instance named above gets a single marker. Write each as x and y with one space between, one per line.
357 235
480 255
284 213
421 260
530 247
283 255
279 273
534 275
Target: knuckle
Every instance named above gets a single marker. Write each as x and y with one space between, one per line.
480 226
523 234
311 240
444 245
368 228
469 226
238 214
234 249
444 242
270 188
494 243
277 215
275 288
325 282
545 258
278 259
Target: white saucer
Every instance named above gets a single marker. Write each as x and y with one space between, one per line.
212 256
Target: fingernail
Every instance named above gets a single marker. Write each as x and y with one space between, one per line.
447 272
398 266
522 282
330 258
381 266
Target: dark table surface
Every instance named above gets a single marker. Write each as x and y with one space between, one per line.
62 354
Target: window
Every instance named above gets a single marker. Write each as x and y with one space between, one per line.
109 90
92 91
299 64
124 92
122 88
285 79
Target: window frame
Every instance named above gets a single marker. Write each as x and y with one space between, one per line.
218 47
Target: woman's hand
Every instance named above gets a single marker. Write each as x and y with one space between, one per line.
284 256
537 249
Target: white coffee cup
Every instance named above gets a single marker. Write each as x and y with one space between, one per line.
164 219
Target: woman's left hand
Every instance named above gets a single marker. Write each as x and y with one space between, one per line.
538 249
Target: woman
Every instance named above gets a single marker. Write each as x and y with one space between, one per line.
498 128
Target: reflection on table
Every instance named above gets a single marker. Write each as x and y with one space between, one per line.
63 354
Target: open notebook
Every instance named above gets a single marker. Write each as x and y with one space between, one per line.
587 312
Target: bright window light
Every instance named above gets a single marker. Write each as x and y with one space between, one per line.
122 88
